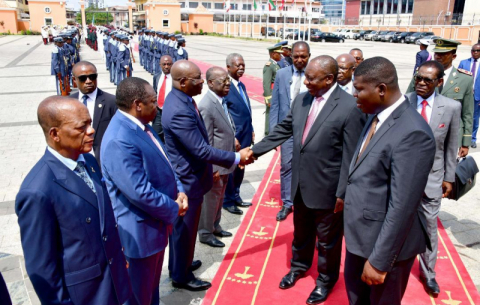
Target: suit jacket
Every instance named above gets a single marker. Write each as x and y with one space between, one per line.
444 122
320 165
465 65
420 58
142 186
220 128
241 114
105 108
69 237
4 295
156 78
385 187
187 143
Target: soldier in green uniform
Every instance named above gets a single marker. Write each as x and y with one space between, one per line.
458 85
269 72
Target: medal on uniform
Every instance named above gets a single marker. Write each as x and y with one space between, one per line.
457 89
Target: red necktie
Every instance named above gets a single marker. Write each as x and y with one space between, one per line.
161 94
195 105
424 110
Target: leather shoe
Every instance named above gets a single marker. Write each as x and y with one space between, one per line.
214 243
318 295
242 204
195 265
289 280
474 145
431 286
222 234
234 210
282 215
193 285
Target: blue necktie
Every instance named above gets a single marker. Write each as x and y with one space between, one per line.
225 109
82 173
242 93
85 98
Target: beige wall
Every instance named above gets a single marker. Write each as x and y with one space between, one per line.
23 25
154 16
9 18
203 20
58 13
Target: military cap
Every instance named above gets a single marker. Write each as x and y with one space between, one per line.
181 40
443 45
425 42
282 43
275 48
171 35
158 33
58 39
178 36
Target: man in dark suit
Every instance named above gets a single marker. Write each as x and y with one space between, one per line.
146 195
162 82
325 124
4 295
384 228
288 84
192 157
69 237
443 115
240 109
101 105
423 55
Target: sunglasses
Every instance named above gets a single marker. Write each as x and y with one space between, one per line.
475 50
358 58
426 80
83 78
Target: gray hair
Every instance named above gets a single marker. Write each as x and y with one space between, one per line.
231 56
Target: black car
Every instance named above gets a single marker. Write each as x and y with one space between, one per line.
419 35
361 34
401 38
300 37
326 37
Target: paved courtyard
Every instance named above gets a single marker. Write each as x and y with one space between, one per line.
25 81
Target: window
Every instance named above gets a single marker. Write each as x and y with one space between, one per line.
48 21
166 23
207 5
218 6
410 6
47 10
375 7
315 9
193 4
247 7
182 4
395 6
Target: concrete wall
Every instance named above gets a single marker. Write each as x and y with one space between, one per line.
23 25
58 13
203 20
155 15
352 11
431 8
9 18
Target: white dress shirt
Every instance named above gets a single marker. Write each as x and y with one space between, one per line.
295 77
447 75
348 87
90 101
69 163
382 116
429 108
168 85
235 83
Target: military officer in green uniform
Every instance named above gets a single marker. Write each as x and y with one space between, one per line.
269 72
458 85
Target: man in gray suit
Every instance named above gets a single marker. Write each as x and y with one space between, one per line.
221 134
288 84
443 115
384 228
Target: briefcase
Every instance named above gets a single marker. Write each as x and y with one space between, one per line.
465 177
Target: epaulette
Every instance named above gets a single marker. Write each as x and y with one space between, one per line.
268 63
465 72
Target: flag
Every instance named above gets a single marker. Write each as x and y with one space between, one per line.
271 5
254 5
226 5
282 5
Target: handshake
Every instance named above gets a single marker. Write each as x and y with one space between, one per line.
246 156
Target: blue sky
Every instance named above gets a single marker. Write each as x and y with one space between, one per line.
74 3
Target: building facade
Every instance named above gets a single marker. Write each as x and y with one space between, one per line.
20 5
95 3
333 10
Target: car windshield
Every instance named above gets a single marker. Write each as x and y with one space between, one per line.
383 32
374 32
416 34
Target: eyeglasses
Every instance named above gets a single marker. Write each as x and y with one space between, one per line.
83 78
475 50
426 80
223 81
344 68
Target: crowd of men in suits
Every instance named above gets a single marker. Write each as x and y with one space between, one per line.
162 167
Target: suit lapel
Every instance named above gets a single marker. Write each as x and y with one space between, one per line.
98 110
451 81
100 195
219 108
359 144
288 84
437 112
203 129
303 113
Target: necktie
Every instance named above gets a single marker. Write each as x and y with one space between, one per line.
225 109
371 132
150 134
85 98
195 105
241 86
311 117
298 83
161 93
424 110
82 173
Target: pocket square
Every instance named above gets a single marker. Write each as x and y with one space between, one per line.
441 126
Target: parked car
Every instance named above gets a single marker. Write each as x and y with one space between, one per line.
370 35
429 38
340 32
389 36
349 33
296 35
419 35
326 37
271 31
361 35
402 36
379 36
287 31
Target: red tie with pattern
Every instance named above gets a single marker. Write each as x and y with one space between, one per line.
424 110
161 94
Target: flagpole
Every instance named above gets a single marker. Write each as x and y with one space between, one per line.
253 18
240 22
310 15
276 14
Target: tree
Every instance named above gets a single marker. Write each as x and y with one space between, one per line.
100 18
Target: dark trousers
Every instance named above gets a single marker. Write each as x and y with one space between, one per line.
232 192
145 278
182 242
212 210
326 229
476 115
389 293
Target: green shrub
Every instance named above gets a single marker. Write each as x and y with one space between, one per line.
178 32
201 32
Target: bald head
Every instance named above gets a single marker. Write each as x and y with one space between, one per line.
187 77
214 72
218 81
346 67
85 76
166 63
53 110
325 63
81 65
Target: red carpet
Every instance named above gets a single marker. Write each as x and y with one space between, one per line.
261 251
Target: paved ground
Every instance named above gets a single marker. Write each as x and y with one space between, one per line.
25 80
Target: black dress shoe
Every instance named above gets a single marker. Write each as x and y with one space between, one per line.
193 285
222 234
318 295
214 243
474 145
290 279
234 210
242 204
282 215
195 265
431 286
